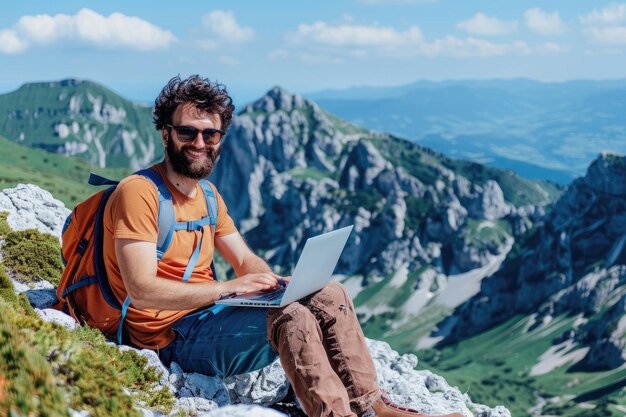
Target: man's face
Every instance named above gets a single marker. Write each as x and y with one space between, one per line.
193 159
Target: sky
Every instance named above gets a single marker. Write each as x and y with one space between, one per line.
135 47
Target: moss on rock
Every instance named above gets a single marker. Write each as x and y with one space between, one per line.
31 254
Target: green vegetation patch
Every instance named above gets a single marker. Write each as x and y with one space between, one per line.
417 212
65 177
31 255
483 234
310 173
351 201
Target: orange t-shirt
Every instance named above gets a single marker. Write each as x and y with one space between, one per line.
132 213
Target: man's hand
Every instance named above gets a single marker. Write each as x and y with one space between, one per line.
259 281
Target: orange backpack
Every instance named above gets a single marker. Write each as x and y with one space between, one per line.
84 291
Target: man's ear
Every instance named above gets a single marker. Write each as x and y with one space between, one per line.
165 135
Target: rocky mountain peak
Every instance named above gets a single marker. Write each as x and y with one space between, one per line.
279 99
607 174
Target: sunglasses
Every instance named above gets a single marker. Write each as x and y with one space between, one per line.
190 133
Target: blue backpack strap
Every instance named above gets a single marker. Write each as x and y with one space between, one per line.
167 218
211 203
120 327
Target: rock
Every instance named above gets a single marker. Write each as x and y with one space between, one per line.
32 207
266 386
211 388
606 174
489 204
42 298
177 377
58 317
243 411
194 406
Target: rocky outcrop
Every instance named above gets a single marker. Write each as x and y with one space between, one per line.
32 207
574 263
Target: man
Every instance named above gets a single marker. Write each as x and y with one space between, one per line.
318 339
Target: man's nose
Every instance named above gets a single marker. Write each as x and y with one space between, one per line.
199 140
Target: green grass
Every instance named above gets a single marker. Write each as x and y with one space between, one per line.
64 177
309 173
483 235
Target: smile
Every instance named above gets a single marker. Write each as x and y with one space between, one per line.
195 154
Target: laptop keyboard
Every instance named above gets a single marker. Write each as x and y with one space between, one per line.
271 296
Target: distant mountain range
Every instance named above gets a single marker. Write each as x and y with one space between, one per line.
540 130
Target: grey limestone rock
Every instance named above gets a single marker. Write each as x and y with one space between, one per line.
31 207
55 316
489 203
243 411
265 387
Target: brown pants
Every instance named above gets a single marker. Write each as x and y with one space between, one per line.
323 352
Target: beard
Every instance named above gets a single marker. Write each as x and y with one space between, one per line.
188 167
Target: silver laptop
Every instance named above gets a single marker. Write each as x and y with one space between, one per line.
312 272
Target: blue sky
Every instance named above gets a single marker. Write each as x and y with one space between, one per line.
305 46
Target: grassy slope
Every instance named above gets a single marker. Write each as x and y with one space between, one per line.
494 368
66 178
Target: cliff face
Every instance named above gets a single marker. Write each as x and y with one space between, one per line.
573 262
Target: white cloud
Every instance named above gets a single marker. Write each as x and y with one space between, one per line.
114 31
610 15
484 25
225 27
10 42
615 35
605 27
324 42
465 48
544 23
356 35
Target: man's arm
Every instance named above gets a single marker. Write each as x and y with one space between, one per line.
239 255
138 267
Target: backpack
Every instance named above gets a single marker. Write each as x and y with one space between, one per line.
84 291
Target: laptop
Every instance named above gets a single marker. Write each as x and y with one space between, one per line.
312 272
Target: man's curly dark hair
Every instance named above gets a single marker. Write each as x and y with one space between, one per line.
202 93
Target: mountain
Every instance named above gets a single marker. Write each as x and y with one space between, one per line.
560 298
75 117
289 170
539 130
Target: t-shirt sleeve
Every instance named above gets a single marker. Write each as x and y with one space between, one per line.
225 224
134 210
